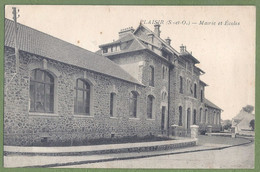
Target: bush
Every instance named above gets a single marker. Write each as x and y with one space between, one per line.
252 124
203 131
227 126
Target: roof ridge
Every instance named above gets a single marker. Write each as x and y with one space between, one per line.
137 39
175 51
83 55
23 25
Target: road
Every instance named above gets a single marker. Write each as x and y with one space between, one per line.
234 157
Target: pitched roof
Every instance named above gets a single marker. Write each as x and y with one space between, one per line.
129 43
210 104
165 44
42 44
186 54
203 83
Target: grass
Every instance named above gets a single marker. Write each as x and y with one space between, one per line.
102 141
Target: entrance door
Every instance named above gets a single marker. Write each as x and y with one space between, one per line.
163 119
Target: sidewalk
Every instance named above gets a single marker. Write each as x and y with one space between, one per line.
63 161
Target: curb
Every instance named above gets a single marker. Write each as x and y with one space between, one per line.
129 149
133 157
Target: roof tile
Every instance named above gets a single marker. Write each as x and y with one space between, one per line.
42 44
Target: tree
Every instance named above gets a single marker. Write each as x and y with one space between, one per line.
252 124
248 108
227 126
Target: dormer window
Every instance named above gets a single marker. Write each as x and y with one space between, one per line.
104 50
165 54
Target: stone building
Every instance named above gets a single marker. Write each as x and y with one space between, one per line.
171 77
57 92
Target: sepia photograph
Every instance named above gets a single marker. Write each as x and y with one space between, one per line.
129 87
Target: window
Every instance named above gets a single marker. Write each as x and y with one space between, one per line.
165 54
41 91
151 80
133 104
82 97
181 84
150 107
163 72
180 116
189 87
112 104
104 50
194 117
218 118
214 118
206 116
195 90
201 95
164 96
200 115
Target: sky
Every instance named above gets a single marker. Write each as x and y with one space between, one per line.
222 38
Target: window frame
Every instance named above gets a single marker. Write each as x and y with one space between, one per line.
51 85
201 95
194 121
180 123
84 90
181 84
133 102
112 105
195 90
150 106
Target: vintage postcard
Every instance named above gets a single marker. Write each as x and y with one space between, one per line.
143 87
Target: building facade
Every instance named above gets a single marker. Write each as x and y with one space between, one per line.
135 86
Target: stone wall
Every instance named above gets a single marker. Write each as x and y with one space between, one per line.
22 127
145 60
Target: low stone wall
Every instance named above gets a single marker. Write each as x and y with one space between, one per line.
128 148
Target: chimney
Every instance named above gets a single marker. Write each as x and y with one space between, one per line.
125 31
157 29
182 48
168 40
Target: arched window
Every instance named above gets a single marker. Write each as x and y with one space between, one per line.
150 106
112 104
206 116
164 96
180 116
200 115
181 84
194 116
195 90
41 91
133 104
151 80
82 97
